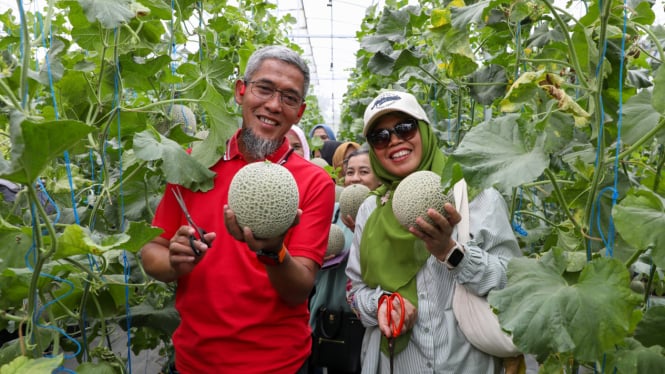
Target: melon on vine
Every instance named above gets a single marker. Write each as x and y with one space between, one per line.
415 194
264 197
183 116
351 199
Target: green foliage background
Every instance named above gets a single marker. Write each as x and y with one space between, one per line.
563 113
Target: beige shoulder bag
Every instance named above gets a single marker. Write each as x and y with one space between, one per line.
475 317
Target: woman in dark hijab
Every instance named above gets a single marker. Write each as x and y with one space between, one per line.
328 150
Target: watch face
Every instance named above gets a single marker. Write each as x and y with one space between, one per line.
455 257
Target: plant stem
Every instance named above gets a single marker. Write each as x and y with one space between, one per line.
654 40
13 100
562 200
41 257
25 63
531 214
647 137
569 41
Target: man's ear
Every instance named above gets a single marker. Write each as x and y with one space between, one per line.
302 110
239 91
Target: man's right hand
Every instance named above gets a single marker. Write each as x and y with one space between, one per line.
181 255
167 260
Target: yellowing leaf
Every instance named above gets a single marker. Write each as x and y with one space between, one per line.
440 18
457 4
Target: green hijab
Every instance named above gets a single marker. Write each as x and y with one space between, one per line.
390 256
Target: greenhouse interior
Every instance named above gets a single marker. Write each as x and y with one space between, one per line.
332 186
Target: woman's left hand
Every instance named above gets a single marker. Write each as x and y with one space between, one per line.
437 236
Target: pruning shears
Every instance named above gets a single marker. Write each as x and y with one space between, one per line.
201 232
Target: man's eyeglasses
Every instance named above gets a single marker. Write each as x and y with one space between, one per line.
265 91
405 130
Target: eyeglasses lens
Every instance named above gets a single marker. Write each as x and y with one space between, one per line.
406 130
267 92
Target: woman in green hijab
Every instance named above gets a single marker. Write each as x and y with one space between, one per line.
423 264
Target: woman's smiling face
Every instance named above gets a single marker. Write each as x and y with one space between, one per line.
401 157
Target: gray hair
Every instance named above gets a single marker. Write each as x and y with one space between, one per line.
281 53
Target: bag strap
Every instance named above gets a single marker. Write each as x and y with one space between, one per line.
462 206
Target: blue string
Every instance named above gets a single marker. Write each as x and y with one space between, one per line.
517 217
50 200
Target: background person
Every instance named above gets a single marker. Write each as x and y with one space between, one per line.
298 141
328 150
386 258
341 154
332 281
243 302
323 132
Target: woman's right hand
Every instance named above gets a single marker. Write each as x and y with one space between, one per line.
349 222
410 316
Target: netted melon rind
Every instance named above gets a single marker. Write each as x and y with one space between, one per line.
264 197
351 199
335 241
415 194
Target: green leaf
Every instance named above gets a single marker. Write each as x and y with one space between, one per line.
643 14
222 127
178 167
460 65
658 99
393 24
547 315
470 14
16 241
77 240
139 234
382 64
508 163
35 145
521 91
649 330
640 117
490 84
110 13
164 319
633 358
639 219
23 364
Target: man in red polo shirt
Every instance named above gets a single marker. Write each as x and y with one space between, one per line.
243 301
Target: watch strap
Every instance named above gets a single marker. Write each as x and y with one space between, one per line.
272 258
455 256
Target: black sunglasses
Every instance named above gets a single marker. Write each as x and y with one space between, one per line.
404 130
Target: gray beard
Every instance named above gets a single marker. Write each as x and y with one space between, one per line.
257 147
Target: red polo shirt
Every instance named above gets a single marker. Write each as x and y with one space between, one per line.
232 319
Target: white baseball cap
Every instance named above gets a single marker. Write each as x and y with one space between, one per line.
393 101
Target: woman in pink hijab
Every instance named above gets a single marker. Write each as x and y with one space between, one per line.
298 141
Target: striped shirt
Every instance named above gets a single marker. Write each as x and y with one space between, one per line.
437 345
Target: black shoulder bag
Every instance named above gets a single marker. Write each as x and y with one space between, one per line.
337 340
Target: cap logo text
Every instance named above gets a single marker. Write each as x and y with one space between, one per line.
384 100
